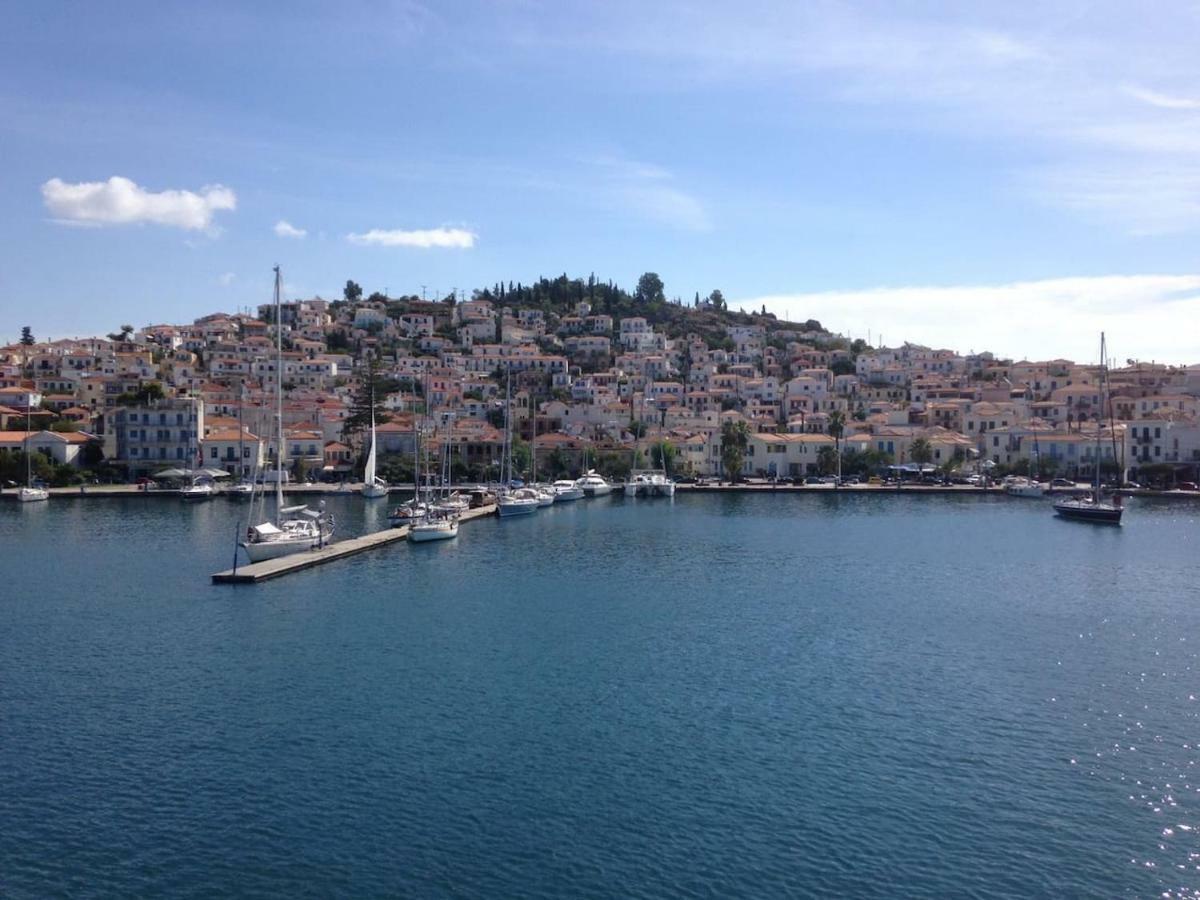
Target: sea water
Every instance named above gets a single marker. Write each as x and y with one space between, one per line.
719 695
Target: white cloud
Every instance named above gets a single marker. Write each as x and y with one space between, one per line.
425 239
226 279
1162 101
1145 316
285 229
120 201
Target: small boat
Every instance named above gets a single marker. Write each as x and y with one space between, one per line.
434 527
594 484
546 495
649 483
454 503
199 489
1020 486
566 489
520 502
30 493
408 512
242 491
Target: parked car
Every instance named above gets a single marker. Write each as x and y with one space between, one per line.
875 479
1186 485
1062 482
829 479
812 479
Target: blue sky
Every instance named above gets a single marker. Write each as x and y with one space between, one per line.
991 177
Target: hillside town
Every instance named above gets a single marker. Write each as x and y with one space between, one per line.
694 388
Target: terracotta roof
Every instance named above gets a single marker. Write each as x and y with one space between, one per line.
230 435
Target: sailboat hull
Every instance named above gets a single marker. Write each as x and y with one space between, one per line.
260 551
1089 511
433 531
32 495
374 491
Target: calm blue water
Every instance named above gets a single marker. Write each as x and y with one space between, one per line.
720 696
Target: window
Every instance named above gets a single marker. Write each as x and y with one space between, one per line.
213 452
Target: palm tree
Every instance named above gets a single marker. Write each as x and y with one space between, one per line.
837 426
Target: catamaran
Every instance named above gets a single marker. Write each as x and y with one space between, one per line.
296 528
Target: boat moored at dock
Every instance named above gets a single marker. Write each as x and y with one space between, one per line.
649 483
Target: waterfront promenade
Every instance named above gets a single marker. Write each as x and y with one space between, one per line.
96 491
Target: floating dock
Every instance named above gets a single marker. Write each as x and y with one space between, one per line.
252 573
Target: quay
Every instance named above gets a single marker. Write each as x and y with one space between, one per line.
253 573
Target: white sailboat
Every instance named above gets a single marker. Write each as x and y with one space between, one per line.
522 501
373 486
29 493
434 526
296 528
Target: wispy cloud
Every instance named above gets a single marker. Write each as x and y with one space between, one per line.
1070 88
120 201
285 229
1144 315
225 279
649 190
423 239
1162 101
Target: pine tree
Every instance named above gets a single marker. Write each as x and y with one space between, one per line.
26 336
372 389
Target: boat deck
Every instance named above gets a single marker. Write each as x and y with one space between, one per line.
252 573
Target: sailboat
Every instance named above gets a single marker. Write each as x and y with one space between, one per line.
244 489
373 486
29 493
647 482
439 521
523 501
296 528
414 508
1093 508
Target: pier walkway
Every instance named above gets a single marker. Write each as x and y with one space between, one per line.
252 573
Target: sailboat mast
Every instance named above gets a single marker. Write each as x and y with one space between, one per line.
278 399
1103 379
241 429
28 430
